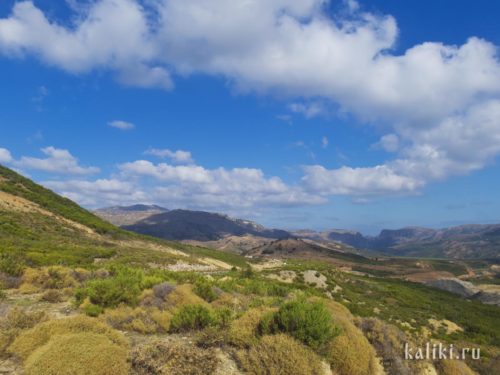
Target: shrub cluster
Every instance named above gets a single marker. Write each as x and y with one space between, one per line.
308 321
204 289
192 317
123 287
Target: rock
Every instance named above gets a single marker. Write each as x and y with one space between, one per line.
456 286
489 298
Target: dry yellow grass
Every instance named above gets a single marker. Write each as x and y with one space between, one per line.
279 355
350 353
28 341
139 319
14 322
183 295
78 354
453 367
243 331
55 277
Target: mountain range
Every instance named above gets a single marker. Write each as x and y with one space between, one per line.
224 232
184 224
461 242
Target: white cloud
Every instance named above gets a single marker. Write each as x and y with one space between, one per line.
388 142
194 186
109 34
99 193
308 110
456 146
430 98
5 156
178 157
57 161
357 181
122 125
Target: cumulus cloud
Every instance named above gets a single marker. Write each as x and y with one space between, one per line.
57 161
5 156
388 142
109 34
122 125
101 192
380 179
197 187
178 157
433 103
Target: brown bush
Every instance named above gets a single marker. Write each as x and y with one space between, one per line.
163 358
52 296
279 355
9 281
15 321
388 340
138 319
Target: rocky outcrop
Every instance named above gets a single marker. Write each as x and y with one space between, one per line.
455 286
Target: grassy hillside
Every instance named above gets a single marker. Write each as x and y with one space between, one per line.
15 184
42 228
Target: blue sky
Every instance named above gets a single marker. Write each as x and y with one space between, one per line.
297 114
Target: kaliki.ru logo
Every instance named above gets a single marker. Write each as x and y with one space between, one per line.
438 351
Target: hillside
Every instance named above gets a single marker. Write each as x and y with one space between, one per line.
81 296
200 226
39 227
128 215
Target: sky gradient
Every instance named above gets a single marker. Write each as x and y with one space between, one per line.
297 114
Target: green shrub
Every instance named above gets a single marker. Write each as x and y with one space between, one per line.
224 316
279 355
191 317
204 289
92 310
308 321
78 354
11 264
124 287
149 281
